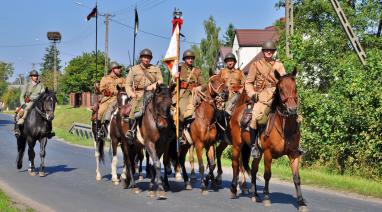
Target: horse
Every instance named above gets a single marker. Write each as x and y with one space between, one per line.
37 126
157 131
203 130
281 136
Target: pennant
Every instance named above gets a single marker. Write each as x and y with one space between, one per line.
171 57
136 26
92 14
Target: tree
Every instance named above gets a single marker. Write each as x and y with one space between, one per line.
6 70
80 75
47 67
229 36
207 51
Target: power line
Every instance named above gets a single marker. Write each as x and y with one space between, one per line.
150 33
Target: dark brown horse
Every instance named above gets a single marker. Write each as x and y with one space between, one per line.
280 137
203 129
156 129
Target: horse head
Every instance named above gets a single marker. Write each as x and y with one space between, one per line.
286 93
161 106
217 87
46 104
122 102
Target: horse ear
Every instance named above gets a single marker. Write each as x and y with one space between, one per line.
294 72
119 88
46 89
277 75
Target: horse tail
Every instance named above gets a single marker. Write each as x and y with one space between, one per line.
245 155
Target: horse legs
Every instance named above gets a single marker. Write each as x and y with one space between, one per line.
254 170
148 165
114 161
219 151
182 160
267 177
211 164
97 156
157 165
140 158
199 153
191 159
43 143
167 169
31 156
294 164
235 169
21 144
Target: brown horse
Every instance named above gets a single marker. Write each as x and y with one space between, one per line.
203 129
156 129
280 137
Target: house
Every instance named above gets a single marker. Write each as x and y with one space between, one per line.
247 45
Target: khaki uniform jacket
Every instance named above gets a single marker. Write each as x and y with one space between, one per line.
31 90
140 77
190 75
108 86
261 79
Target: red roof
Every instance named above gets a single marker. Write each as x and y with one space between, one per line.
255 37
224 51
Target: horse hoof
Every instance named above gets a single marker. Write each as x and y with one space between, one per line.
41 174
115 182
204 192
151 194
136 190
188 186
267 203
303 208
141 177
161 195
31 172
178 177
233 196
255 199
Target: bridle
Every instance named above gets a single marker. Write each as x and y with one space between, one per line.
44 112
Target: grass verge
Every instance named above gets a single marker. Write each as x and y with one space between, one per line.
6 205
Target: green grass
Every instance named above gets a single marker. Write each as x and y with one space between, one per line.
65 116
6 204
321 177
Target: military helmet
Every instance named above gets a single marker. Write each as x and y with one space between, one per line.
33 73
188 53
268 45
114 65
230 56
146 52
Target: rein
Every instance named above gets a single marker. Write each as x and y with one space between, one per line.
42 112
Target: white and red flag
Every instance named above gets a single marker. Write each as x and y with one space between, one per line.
172 55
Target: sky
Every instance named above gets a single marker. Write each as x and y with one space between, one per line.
25 23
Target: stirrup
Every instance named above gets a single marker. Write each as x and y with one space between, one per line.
256 151
130 135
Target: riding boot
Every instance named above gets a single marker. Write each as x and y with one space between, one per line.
255 151
100 134
130 135
105 127
182 141
17 130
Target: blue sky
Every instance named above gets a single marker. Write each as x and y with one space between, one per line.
24 24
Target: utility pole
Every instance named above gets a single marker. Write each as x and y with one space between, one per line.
349 31
288 26
107 15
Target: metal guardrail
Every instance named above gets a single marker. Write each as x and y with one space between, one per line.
83 130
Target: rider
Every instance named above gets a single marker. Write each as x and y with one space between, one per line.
141 77
191 81
108 102
260 87
29 93
234 79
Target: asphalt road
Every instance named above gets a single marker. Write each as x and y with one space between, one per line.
70 185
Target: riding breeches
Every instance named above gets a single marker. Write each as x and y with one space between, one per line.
106 105
26 110
262 108
136 105
232 99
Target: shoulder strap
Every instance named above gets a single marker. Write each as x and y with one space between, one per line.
148 76
191 73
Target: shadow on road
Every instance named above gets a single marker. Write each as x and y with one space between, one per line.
5 122
49 170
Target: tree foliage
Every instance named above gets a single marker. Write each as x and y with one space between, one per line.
229 36
47 67
81 74
6 70
340 99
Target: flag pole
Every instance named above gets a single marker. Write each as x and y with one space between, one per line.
178 21
135 32
96 44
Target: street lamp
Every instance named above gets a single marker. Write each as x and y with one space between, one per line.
54 37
